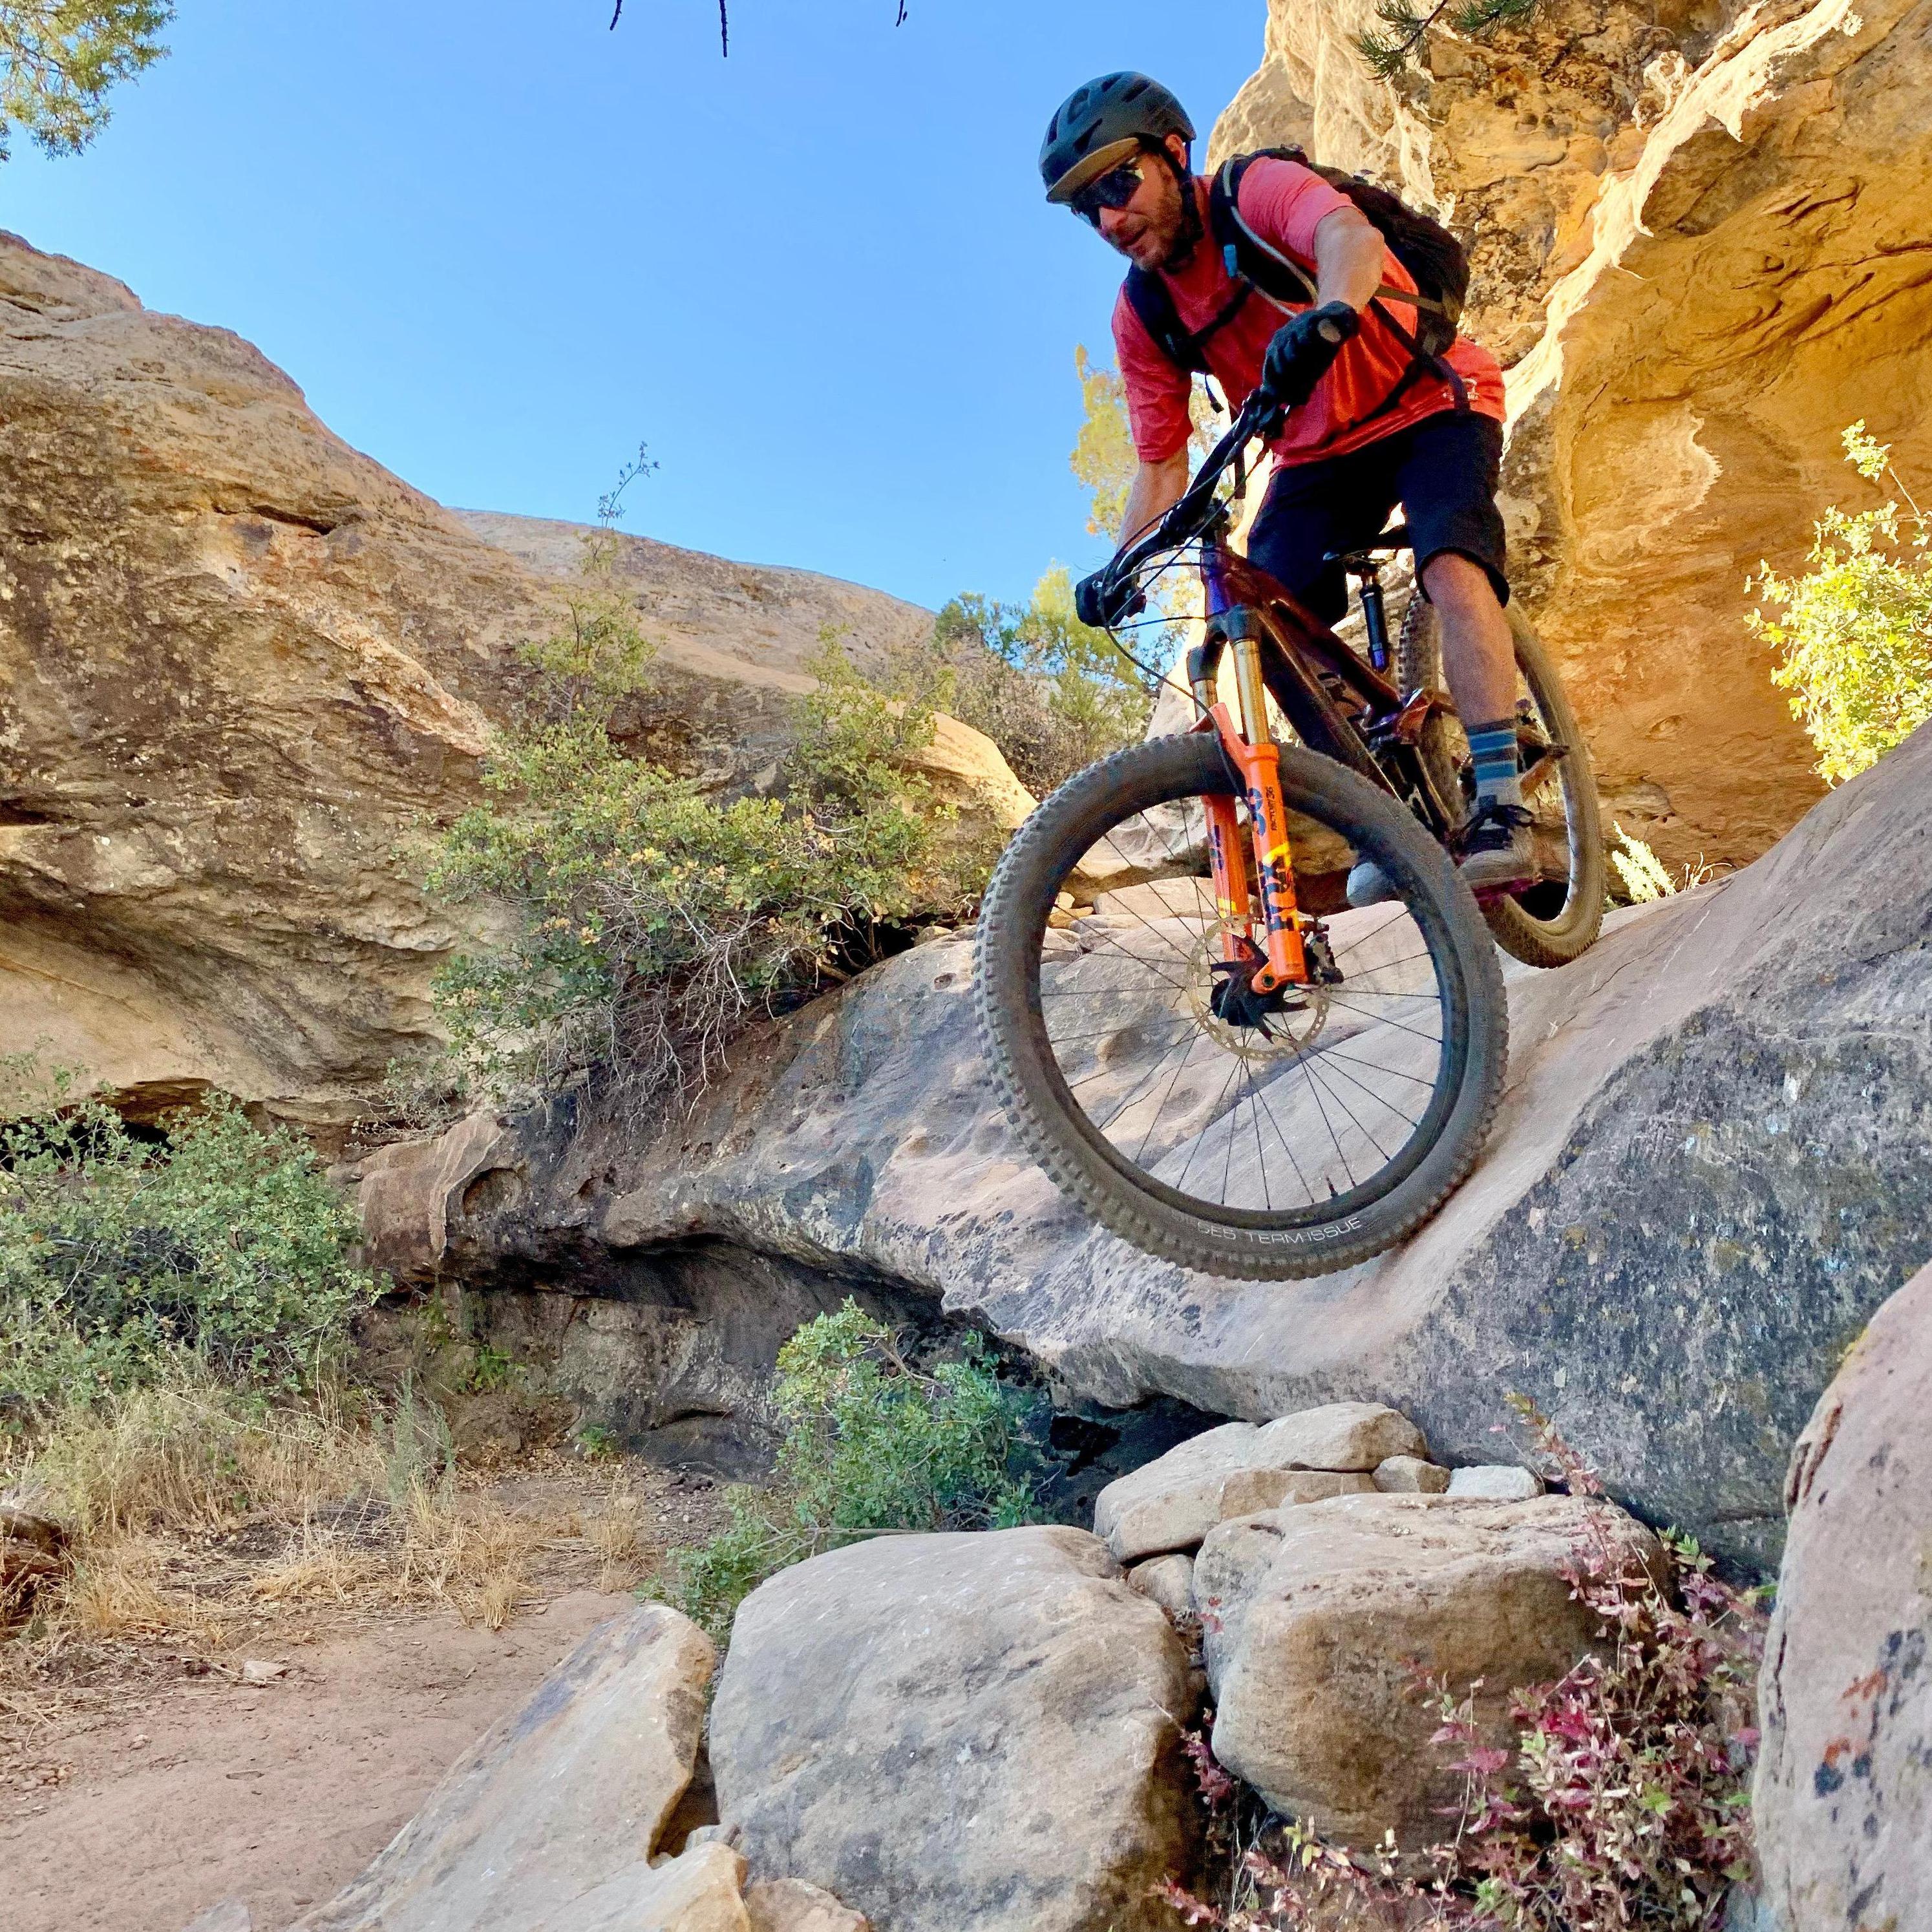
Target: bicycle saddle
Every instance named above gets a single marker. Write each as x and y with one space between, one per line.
1357 561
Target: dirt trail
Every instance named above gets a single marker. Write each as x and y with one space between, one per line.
278 1794
155 1781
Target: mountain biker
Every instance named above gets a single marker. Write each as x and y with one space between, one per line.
1369 425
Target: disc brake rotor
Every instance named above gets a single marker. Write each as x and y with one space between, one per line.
1279 1034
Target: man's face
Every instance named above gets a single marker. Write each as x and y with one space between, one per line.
1148 230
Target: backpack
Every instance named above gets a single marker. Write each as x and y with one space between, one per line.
1433 257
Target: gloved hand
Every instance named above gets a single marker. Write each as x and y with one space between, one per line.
1100 605
1303 349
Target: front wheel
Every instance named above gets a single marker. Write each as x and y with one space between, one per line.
1263 1138
1557 919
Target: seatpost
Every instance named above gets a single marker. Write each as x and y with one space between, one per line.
1375 615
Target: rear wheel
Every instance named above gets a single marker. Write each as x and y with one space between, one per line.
1262 1137
1556 919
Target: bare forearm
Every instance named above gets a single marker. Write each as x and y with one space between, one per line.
1157 488
1348 258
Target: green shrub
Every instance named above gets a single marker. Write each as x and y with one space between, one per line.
871 1443
119 1258
653 918
1855 629
1051 693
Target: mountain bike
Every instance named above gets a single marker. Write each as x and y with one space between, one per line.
1196 1035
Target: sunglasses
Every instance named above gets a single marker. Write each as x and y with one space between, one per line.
1115 190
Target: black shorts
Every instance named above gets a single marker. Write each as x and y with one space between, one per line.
1442 471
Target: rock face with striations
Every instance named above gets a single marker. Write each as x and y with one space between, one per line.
1697 238
240 662
1707 1172
1844 1780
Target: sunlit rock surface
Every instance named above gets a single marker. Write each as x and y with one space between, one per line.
1698 244
1707 1170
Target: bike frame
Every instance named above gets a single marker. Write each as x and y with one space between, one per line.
1336 704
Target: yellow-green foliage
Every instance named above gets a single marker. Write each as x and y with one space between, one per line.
58 58
653 917
1051 693
1855 629
1103 458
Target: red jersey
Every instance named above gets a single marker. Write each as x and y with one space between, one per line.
1284 203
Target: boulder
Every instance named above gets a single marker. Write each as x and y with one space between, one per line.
1168 1581
1844 1778
959 1733
790 1905
1312 1618
1354 1435
549 1819
240 663
1707 1171
1174 1501
1602 161
1496 1483
1411 1475
696 1891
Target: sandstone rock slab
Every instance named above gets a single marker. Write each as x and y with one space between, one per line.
1496 1483
1172 1502
1411 1475
959 1733
1312 1616
790 1905
1772 1124
1844 1786
565 1795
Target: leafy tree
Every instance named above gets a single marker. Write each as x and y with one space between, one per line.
58 58
1855 629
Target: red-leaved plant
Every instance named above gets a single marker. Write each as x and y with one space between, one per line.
1622 1802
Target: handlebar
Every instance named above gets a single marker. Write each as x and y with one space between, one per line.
1196 509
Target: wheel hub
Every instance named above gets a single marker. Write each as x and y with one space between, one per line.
1228 1008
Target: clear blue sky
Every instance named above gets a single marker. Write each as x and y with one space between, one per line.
498 245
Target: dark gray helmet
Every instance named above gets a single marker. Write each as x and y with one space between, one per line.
1099 125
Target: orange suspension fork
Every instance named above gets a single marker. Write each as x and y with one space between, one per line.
1252 748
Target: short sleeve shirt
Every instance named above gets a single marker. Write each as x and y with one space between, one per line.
1284 203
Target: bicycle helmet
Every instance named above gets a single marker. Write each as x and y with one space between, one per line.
1099 125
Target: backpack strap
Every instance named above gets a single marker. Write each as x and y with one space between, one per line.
1187 349
1261 261
1251 261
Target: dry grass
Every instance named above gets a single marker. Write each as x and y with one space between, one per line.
118 1588
194 1456
617 1535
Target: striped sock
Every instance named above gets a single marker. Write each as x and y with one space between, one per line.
1492 750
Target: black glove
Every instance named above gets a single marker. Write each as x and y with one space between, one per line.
1100 604
1299 356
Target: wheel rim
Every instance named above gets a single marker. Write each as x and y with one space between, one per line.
1297 1121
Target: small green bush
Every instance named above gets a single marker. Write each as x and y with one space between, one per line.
1855 629
1053 695
653 920
119 1258
871 1444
